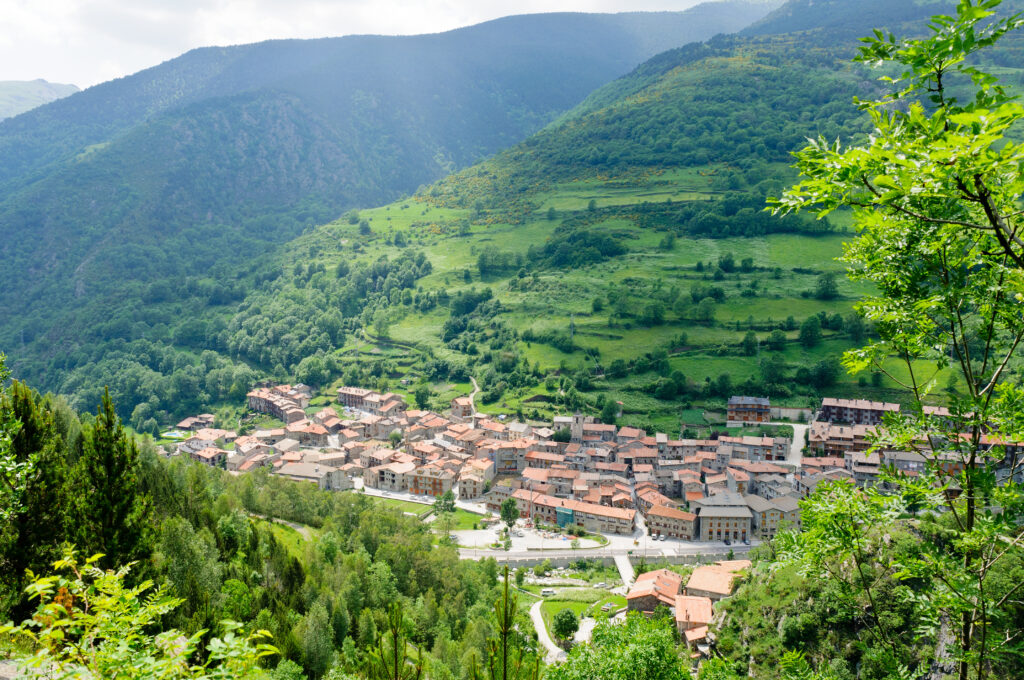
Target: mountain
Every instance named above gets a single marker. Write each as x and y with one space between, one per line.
19 96
129 193
852 19
623 252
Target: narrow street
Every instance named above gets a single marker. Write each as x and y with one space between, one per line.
796 448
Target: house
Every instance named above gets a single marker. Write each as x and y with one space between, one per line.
855 411
352 397
471 484
196 422
806 484
692 612
765 515
748 410
723 516
431 480
211 456
715 581
462 408
327 478
390 477
591 517
718 523
652 589
825 438
671 522
789 511
283 402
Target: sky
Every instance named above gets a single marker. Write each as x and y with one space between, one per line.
86 42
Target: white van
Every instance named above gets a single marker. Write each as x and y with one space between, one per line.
547 592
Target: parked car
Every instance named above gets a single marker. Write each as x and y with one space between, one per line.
746 541
728 542
547 592
662 537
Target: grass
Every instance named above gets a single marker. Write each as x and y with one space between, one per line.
551 607
291 539
405 506
785 270
618 602
462 520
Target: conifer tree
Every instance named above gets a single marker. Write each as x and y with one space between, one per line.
112 509
33 537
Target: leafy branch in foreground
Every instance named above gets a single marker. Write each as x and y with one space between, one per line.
938 162
89 624
935 194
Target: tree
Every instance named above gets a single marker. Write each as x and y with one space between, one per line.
750 343
395 438
389 660
444 507
826 288
854 325
510 655
565 624
317 640
638 649
609 412
509 511
825 373
810 332
935 191
14 473
706 310
89 624
112 511
773 369
39 524
563 435
776 340
727 263
190 561
422 396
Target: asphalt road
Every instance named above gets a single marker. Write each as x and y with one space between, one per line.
554 652
717 550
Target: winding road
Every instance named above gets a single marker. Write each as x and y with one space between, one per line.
554 652
472 395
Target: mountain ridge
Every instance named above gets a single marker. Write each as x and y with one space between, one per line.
182 183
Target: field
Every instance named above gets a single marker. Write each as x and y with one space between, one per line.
643 301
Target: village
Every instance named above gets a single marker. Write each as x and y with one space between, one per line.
573 474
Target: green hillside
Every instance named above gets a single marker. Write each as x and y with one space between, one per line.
620 254
19 96
133 209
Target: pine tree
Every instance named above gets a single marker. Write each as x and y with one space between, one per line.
36 530
112 509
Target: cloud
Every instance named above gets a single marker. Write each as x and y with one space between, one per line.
88 42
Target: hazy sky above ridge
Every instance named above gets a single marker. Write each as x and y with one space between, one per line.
89 42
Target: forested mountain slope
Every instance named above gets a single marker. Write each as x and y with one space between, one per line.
621 253
18 96
165 187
